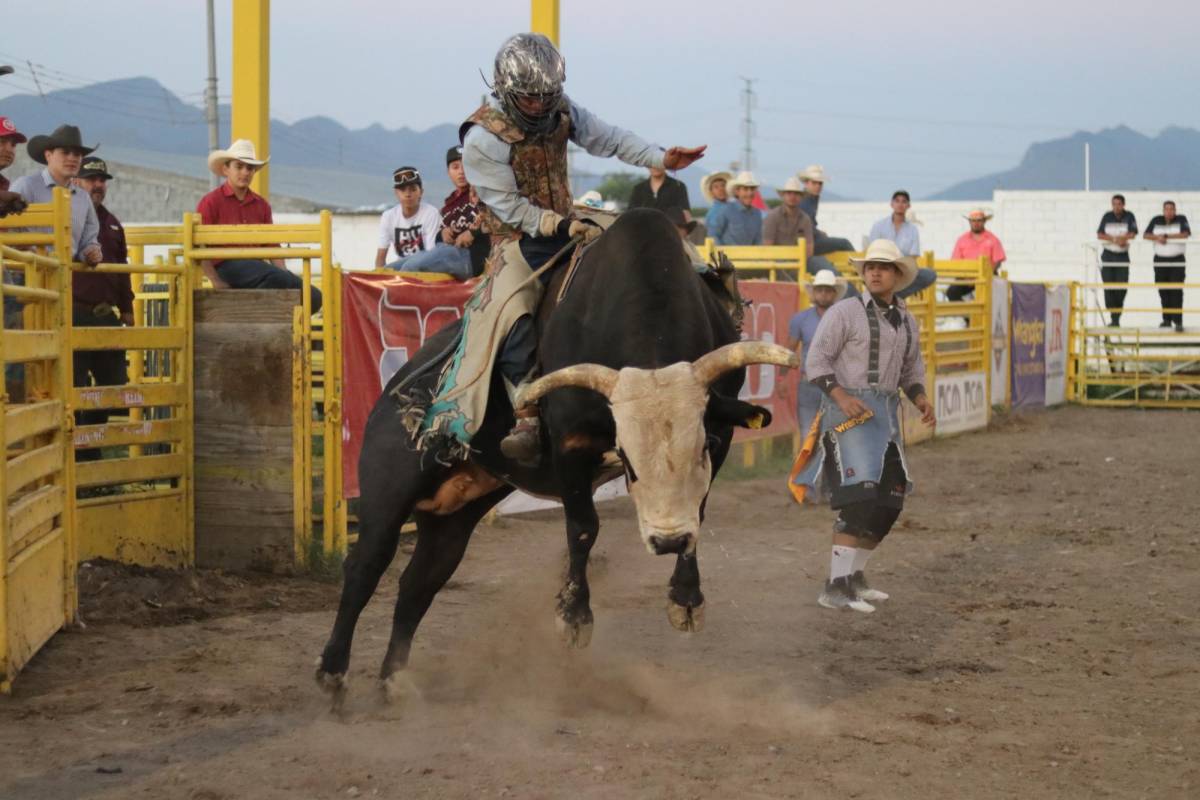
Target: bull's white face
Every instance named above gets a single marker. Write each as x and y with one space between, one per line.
659 417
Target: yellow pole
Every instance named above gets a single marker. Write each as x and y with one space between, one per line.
251 117
544 19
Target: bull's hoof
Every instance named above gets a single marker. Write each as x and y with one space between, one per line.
576 632
689 619
333 684
399 688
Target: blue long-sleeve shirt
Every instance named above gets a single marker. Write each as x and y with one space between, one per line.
486 162
739 225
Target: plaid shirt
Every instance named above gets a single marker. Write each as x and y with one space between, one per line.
842 348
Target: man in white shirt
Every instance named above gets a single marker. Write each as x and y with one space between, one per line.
1117 228
1168 231
897 229
410 226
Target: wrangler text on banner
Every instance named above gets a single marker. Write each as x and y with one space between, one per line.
1028 345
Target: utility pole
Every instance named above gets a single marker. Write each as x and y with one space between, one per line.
1087 166
748 104
210 93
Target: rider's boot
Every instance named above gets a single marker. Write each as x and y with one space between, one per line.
524 442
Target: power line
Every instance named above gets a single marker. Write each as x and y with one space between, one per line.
937 123
884 148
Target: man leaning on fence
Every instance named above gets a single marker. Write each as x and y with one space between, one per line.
1168 231
1117 229
101 300
235 203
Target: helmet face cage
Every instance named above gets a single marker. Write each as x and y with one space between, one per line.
529 64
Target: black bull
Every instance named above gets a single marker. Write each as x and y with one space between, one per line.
635 302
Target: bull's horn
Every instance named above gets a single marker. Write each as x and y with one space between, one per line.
596 377
709 367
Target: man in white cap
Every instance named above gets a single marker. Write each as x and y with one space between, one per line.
714 187
865 350
813 178
741 222
235 203
975 243
825 289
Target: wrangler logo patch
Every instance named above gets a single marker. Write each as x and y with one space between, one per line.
853 421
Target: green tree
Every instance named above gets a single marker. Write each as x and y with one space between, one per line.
618 186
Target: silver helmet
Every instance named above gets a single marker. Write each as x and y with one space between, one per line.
529 64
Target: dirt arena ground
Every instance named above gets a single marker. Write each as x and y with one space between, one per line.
1042 641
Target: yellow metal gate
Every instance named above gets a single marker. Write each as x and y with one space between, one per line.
37 542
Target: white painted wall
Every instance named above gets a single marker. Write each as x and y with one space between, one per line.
1049 236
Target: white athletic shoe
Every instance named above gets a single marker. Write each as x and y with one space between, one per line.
839 593
858 582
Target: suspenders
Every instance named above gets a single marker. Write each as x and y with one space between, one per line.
873 353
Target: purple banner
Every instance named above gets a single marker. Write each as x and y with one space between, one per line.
1028 345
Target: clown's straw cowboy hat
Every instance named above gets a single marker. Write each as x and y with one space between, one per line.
67 136
707 181
886 252
744 178
826 277
241 150
977 214
813 172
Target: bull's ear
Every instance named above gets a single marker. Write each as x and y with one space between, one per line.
731 411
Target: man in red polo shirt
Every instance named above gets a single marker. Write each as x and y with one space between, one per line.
975 243
234 203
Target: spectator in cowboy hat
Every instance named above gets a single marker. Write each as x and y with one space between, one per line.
100 300
813 178
824 289
235 203
714 187
975 243
62 152
741 222
10 137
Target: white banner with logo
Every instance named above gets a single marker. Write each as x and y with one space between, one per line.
961 403
1000 342
1058 312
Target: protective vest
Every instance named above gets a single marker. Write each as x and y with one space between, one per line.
538 162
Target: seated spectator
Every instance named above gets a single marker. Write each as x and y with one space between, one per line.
409 227
235 203
814 179
897 229
741 222
787 223
100 300
660 191
459 236
971 245
714 188
10 137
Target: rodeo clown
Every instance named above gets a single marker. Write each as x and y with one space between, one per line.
515 155
864 350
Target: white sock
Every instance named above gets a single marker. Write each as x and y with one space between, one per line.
861 556
841 562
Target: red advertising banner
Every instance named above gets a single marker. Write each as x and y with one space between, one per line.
385 320
387 317
771 307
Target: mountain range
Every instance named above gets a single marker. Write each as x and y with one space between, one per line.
1121 159
139 122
